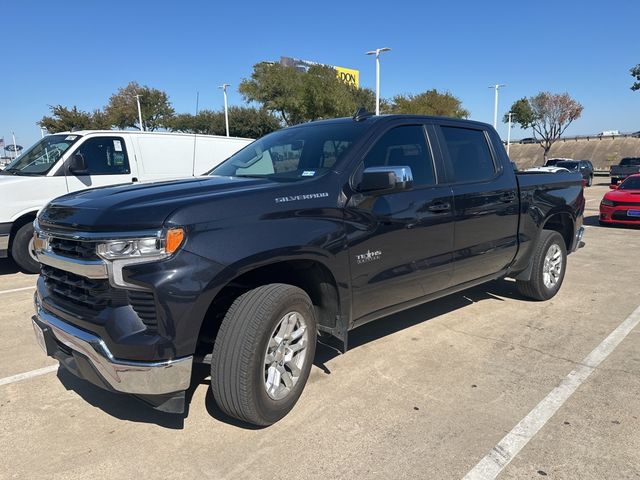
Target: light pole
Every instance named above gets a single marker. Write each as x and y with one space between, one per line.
226 109
42 130
509 132
15 148
377 53
139 113
496 87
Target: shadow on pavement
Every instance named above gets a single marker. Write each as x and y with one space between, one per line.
8 266
128 408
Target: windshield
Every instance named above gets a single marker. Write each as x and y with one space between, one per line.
39 159
293 153
625 162
631 183
567 165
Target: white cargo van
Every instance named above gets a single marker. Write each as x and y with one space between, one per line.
66 162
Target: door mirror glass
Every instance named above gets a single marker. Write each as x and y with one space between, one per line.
386 179
77 165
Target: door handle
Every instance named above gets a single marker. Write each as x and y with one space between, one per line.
134 179
440 207
507 197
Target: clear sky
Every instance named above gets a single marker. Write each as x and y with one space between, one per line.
80 52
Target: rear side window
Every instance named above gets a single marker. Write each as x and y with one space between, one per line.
469 152
105 156
404 146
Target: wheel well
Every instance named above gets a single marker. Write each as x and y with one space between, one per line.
311 276
563 224
19 223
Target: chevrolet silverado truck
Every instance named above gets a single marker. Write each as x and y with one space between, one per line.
302 236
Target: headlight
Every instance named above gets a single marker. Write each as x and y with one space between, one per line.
607 203
148 248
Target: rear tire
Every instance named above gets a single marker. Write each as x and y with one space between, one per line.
549 266
22 249
263 353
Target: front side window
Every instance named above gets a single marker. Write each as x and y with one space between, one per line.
469 152
105 156
39 159
404 146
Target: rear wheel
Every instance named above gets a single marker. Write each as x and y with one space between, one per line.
263 353
22 249
549 265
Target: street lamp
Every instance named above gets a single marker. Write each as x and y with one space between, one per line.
226 110
496 87
509 132
377 53
139 113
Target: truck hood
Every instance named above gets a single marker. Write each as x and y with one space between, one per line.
143 206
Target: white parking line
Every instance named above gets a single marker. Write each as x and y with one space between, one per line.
26 375
17 289
506 450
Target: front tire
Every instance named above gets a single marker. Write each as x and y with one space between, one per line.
549 265
22 249
263 353
590 181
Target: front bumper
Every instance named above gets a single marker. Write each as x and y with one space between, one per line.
618 215
77 349
5 233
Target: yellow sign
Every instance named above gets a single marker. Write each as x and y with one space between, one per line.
349 76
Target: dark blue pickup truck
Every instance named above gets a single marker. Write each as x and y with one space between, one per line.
302 236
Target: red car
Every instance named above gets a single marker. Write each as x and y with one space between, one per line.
622 205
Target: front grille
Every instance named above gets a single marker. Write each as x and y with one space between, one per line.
625 204
144 304
73 248
69 287
622 215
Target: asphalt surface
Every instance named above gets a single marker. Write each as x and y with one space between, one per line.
423 394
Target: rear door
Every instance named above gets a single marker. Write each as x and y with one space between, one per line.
107 162
485 203
400 243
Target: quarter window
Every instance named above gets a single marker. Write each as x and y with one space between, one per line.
105 156
404 146
469 152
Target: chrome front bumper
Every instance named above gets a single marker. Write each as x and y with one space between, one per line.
138 378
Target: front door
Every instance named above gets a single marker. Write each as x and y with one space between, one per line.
400 243
107 162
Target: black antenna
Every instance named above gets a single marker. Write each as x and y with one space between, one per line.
361 114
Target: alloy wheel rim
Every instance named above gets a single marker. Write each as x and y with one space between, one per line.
552 267
285 355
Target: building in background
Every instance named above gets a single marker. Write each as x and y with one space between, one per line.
347 75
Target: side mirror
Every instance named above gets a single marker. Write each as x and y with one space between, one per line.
77 165
613 187
386 179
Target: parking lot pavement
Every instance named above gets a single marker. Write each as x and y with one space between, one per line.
423 394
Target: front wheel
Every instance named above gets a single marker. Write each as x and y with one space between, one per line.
263 353
22 249
549 265
590 181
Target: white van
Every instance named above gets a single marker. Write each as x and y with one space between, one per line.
66 162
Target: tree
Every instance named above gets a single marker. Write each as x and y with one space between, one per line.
548 114
246 122
251 122
122 109
635 73
65 119
299 97
430 102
